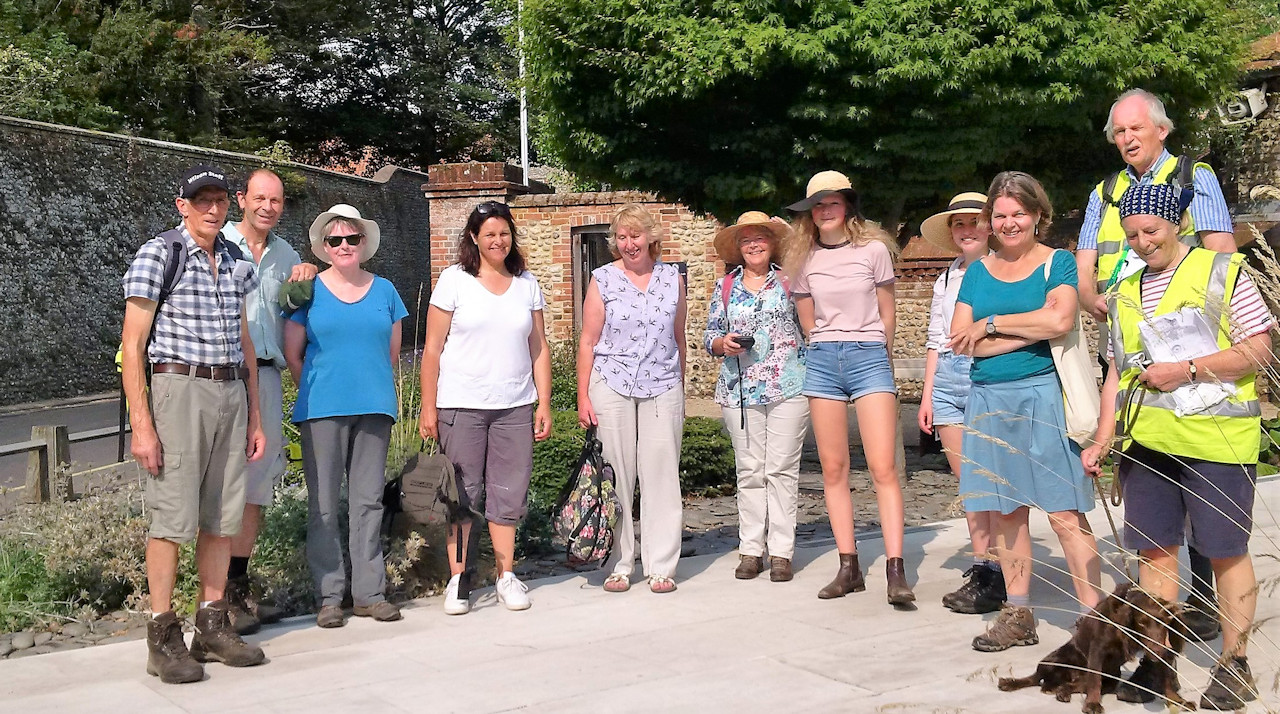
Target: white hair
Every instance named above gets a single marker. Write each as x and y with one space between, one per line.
1155 111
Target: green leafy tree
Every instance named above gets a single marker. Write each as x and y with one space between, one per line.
729 105
407 81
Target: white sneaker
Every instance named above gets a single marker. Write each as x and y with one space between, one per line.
511 592
454 605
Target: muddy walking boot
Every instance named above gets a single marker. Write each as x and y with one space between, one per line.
1013 627
216 641
243 618
1231 686
899 592
848 579
167 654
982 592
1148 681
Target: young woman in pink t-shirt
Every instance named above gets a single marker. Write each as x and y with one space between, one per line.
842 268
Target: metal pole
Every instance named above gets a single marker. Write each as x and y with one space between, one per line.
524 104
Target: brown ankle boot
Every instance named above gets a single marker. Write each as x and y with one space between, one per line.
167 654
899 592
217 641
848 579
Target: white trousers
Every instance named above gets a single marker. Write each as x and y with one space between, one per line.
641 440
767 452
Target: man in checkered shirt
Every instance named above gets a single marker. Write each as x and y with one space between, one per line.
197 425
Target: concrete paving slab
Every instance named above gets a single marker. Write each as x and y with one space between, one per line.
717 644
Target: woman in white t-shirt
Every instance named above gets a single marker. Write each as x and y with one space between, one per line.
485 366
842 270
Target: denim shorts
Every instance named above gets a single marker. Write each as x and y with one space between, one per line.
847 370
951 385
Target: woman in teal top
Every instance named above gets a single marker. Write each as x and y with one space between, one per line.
1017 454
340 349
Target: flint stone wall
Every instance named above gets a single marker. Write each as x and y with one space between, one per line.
75 206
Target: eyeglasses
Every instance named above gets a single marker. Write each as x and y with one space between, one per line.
749 239
489 208
352 240
204 202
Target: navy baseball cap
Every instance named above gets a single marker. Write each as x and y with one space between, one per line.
199 176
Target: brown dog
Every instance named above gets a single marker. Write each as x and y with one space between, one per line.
1128 623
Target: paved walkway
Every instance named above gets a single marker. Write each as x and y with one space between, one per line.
716 645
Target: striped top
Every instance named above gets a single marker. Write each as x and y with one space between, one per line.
1208 207
199 323
1249 314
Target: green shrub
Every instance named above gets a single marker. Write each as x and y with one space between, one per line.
564 376
553 459
706 458
28 594
1269 450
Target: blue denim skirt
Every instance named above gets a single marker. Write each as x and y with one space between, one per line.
847 370
1016 450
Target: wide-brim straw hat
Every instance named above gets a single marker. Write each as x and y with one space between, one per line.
372 234
726 242
936 229
823 184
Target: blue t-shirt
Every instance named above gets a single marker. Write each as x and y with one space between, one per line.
347 368
989 296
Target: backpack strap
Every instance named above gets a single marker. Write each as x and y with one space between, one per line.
1109 189
726 287
175 261
1183 177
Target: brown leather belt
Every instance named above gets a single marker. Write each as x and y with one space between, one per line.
217 374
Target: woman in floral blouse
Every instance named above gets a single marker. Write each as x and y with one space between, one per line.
752 323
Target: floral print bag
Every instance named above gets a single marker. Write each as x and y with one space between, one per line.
588 509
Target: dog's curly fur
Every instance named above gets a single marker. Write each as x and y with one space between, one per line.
1128 623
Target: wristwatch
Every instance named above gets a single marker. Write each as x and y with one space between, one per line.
991 325
1191 367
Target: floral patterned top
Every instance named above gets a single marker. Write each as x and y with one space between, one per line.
637 355
773 369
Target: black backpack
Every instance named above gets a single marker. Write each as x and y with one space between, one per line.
1183 178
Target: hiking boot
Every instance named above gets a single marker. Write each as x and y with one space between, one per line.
215 640
749 566
453 603
899 591
243 618
381 611
1013 627
780 569
1201 620
330 616
848 579
167 654
1230 687
511 592
1147 681
984 592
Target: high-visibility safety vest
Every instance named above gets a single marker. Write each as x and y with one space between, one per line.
1176 170
1228 432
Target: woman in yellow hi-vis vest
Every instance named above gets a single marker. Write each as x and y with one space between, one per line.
1188 334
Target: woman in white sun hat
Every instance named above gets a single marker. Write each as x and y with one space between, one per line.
946 385
340 349
842 267
752 323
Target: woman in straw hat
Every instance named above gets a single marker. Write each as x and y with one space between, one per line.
752 323
946 386
486 393
843 271
1017 455
339 348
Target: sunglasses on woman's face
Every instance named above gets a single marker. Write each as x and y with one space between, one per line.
352 240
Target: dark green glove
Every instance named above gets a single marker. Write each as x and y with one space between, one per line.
295 294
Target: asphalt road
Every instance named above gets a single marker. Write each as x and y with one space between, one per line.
16 427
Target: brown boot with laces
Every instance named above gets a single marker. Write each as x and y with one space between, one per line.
780 569
1013 627
848 579
167 654
749 566
217 641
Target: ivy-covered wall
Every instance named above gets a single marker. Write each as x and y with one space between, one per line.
75 206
